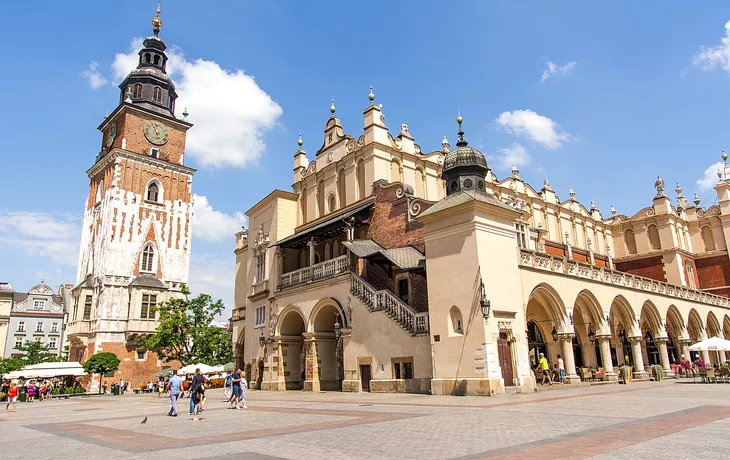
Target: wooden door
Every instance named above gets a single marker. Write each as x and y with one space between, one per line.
505 360
365 377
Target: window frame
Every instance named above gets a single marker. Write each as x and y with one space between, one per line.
259 317
52 343
149 301
148 259
88 303
18 341
157 94
21 326
54 326
39 326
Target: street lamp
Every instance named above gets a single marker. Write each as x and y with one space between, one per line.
591 334
485 304
338 330
264 340
554 334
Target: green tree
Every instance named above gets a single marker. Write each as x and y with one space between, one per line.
186 333
35 352
10 364
101 363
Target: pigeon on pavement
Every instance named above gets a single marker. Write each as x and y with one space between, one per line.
144 420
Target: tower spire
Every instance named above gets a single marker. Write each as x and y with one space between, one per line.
460 142
156 21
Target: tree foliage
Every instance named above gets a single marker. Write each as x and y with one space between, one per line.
35 353
101 363
10 364
186 332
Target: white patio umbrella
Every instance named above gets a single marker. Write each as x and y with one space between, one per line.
190 369
712 344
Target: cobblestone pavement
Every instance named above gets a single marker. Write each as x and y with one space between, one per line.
669 419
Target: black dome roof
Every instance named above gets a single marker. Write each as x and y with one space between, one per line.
463 155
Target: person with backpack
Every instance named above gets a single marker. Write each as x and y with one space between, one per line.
197 392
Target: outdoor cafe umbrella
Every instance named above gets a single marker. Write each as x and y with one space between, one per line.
190 369
712 344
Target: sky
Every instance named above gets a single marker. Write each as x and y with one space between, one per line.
602 97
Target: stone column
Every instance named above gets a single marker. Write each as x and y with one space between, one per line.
311 370
664 355
684 344
566 344
604 342
279 266
281 383
311 245
640 373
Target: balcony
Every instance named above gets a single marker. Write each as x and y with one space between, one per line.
316 272
78 327
142 325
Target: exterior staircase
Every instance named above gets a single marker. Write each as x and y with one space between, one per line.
413 322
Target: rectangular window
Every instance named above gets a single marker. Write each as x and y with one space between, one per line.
521 235
52 343
260 267
407 370
691 277
402 368
21 326
39 326
149 301
87 307
154 153
18 342
54 327
260 316
141 354
76 309
38 339
39 304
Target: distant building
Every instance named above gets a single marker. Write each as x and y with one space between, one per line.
6 301
36 315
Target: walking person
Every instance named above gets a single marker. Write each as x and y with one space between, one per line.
236 386
545 369
561 367
12 396
227 390
174 387
242 398
196 392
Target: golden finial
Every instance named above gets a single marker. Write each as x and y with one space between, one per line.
332 107
724 156
458 118
300 141
371 96
156 21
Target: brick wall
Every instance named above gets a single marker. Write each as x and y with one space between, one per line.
389 224
379 277
419 292
136 372
649 267
713 272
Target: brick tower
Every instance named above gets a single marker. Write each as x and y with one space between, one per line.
135 242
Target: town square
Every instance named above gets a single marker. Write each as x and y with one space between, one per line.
372 230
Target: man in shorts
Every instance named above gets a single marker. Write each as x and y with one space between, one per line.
544 367
196 393
12 396
236 386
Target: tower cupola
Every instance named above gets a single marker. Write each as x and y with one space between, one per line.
148 85
464 167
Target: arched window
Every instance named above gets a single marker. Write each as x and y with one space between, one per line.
148 258
630 241
320 198
456 326
147 58
336 249
157 94
327 252
654 240
152 192
395 171
420 183
137 93
331 203
708 239
303 201
361 179
157 59
341 190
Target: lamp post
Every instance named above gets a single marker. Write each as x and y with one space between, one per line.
485 304
264 340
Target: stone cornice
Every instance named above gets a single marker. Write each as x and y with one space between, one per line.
112 156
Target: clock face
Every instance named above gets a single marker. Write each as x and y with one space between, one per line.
155 132
111 134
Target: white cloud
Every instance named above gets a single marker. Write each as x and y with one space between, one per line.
530 125
229 110
709 178
96 80
714 56
212 225
557 70
55 236
214 275
514 155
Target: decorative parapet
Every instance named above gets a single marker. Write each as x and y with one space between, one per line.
604 275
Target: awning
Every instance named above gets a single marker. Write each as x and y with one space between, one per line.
333 225
407 258
48 370
190 369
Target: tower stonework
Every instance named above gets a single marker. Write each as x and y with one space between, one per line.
135 242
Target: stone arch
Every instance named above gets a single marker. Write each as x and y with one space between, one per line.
695 328
303 204
654 240
341 188
726 327
320 199
675 322
587 302
630 241
420 188
361 179
154 191
713 325
331 202
288 328
326 344
456 324
651 319
623 312
318 322
554 306
587 322
707 238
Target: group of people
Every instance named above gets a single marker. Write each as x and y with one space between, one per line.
235 391
118 387
543 367
34 390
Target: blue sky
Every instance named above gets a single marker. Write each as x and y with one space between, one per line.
600 97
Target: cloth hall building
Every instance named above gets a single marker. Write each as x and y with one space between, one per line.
392 269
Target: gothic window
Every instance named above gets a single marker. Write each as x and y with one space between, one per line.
691 276
303 201
148 257
87 307
341 190
157 94
521 235
630 241
332 206
152 192
320 198
654 240
456 320
149 302
708 239
137 93
361 179
327 251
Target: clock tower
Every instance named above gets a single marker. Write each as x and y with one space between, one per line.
135 242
